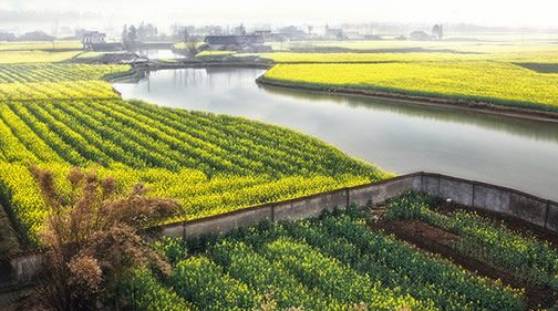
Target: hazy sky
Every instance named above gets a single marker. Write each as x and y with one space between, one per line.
485 12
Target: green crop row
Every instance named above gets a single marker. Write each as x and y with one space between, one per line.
333 263
529 258
146 293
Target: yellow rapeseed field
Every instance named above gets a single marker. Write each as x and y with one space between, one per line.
40 45
19 57
499 82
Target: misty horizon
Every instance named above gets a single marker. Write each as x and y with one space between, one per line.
24 15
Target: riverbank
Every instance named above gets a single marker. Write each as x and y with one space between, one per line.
402 98
138 69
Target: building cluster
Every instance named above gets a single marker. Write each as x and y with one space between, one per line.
239 39
437 34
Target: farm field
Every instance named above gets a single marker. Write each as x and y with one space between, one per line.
40 45
471 71
16 57
267 156
58 116
540 56
28 82
501 248
495 48
533 260
478 81
341 261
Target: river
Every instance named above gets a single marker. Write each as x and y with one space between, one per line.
401 138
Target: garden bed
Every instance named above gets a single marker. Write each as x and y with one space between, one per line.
435 240
497 247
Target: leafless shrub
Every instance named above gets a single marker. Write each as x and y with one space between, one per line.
91 239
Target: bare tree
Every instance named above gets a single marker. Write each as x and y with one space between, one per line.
191 43
91 239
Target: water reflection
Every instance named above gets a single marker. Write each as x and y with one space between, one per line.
534 130
402 138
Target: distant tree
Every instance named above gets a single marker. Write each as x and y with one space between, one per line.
36 36
7 36
192 46
54 33
185 35
91 239
438 32
125 34
141 31
132 34
240 30
176 32
191 42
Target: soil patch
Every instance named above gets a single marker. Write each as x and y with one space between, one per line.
438 241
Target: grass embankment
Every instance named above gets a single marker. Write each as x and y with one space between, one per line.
214 55
61 115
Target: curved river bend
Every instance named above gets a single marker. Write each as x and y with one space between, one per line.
400 138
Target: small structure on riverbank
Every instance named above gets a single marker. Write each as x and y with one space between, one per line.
95 41
249 43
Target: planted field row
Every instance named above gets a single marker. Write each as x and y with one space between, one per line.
56 91
335 263
27 57
140 135
529 258
210 164
32 73
40 45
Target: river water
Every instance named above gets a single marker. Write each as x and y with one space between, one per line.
399 138
159 54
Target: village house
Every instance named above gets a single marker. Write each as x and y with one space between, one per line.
249 43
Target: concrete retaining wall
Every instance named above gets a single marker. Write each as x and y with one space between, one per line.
296 209
492 198
474 194
552 217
